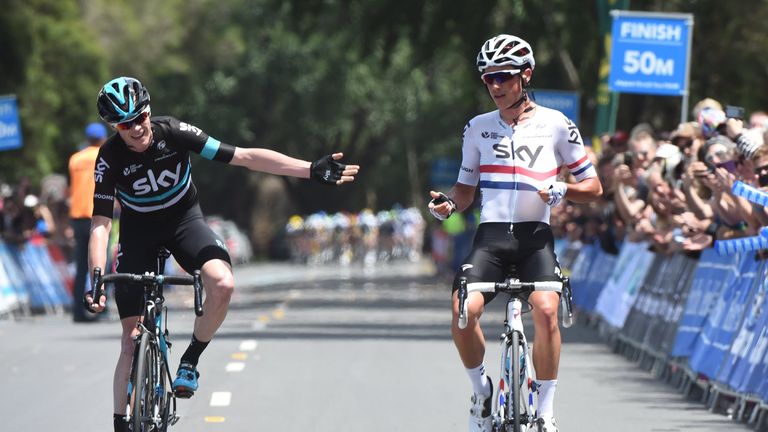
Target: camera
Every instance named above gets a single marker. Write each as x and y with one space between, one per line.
736 112
624 158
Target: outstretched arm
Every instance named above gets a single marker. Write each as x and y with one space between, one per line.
272 162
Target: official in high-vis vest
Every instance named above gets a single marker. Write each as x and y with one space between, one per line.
81 186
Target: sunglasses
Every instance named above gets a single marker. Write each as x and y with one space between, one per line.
730 166
499 77
759 170
682 142
131 123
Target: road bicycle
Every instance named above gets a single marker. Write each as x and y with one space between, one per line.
514 407
151 404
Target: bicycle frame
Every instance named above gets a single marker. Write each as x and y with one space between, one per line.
159 336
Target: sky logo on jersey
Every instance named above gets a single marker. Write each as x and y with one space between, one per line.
101 168
152 183
186 127
503 150
573 133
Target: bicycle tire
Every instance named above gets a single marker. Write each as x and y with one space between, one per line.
514 388
164 382
142 398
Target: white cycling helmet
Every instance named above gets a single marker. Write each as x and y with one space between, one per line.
503 50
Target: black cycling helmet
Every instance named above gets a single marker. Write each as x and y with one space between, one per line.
122 99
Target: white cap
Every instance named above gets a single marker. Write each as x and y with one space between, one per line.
30 201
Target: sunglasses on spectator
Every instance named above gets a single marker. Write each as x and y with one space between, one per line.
759 170
499 77
683 143
139 119
729 166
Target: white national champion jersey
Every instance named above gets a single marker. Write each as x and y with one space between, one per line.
511 163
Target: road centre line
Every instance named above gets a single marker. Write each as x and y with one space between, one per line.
235 367
214 419
221 399
248 345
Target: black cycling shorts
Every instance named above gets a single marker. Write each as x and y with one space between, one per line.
526 252
189 239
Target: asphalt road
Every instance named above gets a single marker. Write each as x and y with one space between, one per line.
308 349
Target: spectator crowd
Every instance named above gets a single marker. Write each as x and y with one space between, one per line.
673 189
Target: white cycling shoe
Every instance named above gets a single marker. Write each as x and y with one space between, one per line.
548 425
480 419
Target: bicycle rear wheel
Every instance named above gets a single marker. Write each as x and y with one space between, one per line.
143 398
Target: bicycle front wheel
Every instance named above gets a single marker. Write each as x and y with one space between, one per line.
142 399
515 395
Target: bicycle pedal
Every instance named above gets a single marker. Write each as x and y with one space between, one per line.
183 393
174 419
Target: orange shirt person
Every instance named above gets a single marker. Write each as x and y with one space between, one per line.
81 187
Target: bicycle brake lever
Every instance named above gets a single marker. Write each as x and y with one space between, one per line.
463 303
198 287
463 316
566 300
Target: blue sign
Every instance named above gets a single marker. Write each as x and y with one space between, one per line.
444 172
564 101
650 53
10 126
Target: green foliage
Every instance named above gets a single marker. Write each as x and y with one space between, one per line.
389 83
54 69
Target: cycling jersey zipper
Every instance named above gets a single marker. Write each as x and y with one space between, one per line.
514 180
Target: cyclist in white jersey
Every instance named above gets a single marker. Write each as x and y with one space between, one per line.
514 155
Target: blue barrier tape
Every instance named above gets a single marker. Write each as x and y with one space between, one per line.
750 193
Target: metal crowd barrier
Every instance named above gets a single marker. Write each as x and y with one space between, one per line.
701 325
31 281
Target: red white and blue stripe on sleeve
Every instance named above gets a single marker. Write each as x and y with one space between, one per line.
582 169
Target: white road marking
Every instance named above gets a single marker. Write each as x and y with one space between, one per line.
221 399
235 367
247 345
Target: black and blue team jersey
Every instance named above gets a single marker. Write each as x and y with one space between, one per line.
160 178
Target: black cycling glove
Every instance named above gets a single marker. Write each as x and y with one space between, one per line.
439 200
326 170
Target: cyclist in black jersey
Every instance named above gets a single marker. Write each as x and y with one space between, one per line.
146 167
514 155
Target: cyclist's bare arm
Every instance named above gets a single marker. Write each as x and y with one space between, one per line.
97 253
585 191
272 162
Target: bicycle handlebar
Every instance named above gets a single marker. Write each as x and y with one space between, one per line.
508 286
514 286
195 281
